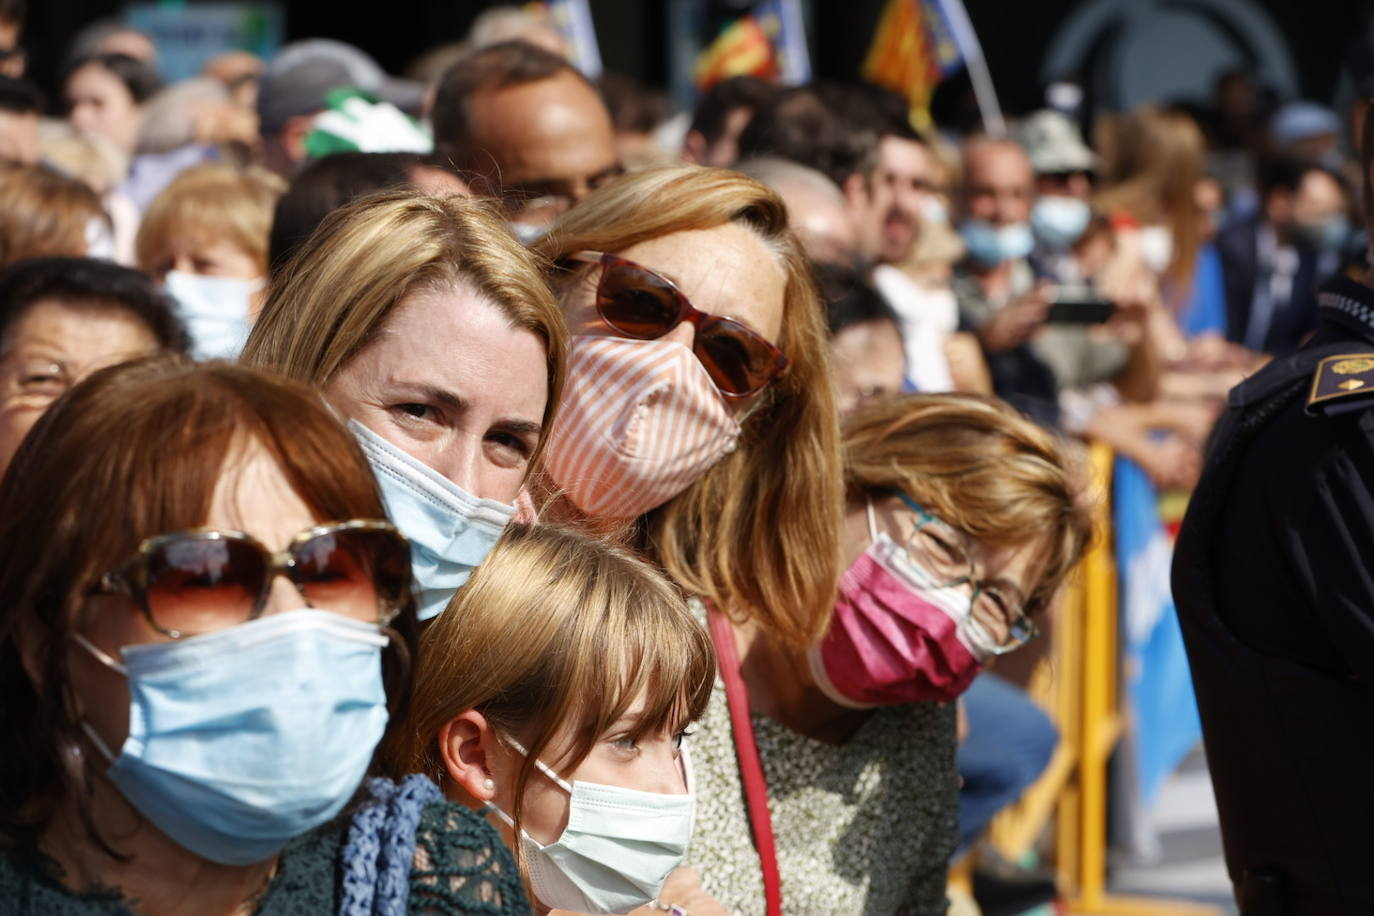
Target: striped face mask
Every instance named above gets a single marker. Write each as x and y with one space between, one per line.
640 422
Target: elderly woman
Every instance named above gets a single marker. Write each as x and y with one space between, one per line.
431 329
204 626
63 318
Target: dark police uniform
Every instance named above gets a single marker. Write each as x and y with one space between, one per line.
1274 580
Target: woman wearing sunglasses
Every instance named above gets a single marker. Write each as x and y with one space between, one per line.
698 415
205 622
427 326
962 520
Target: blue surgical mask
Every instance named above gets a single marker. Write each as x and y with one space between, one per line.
991 245
242 739
216 312
450 530
1330 233
618 848
1058 221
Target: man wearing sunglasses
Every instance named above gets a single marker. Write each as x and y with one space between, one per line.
522 124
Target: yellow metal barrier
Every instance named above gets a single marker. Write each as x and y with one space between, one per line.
1077 684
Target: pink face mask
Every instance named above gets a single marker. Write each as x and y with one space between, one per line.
897 637
640 421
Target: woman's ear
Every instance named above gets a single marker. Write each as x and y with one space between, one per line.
466 745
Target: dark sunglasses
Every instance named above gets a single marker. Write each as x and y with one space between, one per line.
634 301
195 581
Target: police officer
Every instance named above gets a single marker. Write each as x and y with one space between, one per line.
1274 581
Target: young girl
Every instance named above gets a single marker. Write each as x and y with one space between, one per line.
553 695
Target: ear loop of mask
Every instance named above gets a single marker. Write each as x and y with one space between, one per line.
492 808
872 518
109 662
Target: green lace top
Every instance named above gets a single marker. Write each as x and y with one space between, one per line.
461 867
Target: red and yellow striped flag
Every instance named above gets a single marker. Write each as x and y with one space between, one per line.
903 57
743 48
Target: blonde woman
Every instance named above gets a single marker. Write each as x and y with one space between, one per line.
553 696
204 237
426 324
962 519
1152 163
699 409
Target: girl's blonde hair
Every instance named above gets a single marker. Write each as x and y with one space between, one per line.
555 633
1152 162
979 466
334 295
210 201
758 535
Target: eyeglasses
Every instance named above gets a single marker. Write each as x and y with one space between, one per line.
636 302
944 553
195 581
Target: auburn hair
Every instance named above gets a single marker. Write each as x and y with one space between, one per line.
556 633
758 535
979 466
133 451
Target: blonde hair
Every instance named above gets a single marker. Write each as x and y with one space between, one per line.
43 212
555 632
211 201
93 158
979 466
1152 162
759 533
335 293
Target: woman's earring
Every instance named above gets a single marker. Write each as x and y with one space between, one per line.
489 784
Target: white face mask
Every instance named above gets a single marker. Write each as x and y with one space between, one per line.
618 848
1156 245
215 311
934 211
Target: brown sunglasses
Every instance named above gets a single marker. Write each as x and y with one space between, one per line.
634 301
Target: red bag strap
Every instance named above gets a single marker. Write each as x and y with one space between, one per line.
747 750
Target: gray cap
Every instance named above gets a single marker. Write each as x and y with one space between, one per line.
302 73
1298 121
1054 144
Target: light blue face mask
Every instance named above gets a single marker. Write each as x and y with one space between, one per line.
1328 234
1058 221
215 310
241 739
991 245
618 848
450 530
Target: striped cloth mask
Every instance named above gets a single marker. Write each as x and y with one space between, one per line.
640 422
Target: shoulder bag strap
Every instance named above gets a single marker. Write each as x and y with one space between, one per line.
746 749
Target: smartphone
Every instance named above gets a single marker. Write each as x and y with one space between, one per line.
1080 310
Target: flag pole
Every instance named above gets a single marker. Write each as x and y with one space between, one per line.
983 91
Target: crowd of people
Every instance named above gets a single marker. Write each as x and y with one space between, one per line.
637 506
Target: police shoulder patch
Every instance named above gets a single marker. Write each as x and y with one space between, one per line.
1342 383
